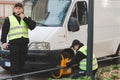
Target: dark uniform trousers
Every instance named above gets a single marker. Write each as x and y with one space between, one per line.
79 73
17 59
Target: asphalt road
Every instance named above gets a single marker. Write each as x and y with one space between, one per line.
4 73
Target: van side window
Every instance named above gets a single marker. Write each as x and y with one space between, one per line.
80 12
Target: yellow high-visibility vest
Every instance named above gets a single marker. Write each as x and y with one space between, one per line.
17 30
83 62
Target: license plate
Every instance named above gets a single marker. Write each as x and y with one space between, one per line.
7 64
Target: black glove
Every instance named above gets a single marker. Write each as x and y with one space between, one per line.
68 65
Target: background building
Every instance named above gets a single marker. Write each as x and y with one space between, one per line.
6 7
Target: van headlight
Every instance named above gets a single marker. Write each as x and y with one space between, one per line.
39 46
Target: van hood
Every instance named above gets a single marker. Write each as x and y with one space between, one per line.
41 34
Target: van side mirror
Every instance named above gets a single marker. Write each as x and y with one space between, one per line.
73 24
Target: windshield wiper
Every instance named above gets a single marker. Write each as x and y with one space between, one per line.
41 24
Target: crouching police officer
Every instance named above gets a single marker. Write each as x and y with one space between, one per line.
80 58
16 28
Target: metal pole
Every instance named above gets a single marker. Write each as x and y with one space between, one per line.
90 38
31 73
36 72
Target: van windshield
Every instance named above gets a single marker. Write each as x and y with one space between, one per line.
47 12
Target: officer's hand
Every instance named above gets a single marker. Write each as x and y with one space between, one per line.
22 15
68 65
5 46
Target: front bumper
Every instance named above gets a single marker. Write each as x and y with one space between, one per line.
4 58
35 60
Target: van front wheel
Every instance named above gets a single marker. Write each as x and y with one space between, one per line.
63 59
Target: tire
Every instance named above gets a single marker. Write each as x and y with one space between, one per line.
67 55
56 73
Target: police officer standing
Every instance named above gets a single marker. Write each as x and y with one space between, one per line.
16 28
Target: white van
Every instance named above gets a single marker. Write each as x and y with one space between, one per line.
54 27
59 22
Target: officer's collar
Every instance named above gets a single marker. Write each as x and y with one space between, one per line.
16 15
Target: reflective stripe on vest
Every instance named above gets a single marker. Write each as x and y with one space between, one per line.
83 62
17 30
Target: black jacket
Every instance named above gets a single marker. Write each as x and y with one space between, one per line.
76 59
6 26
